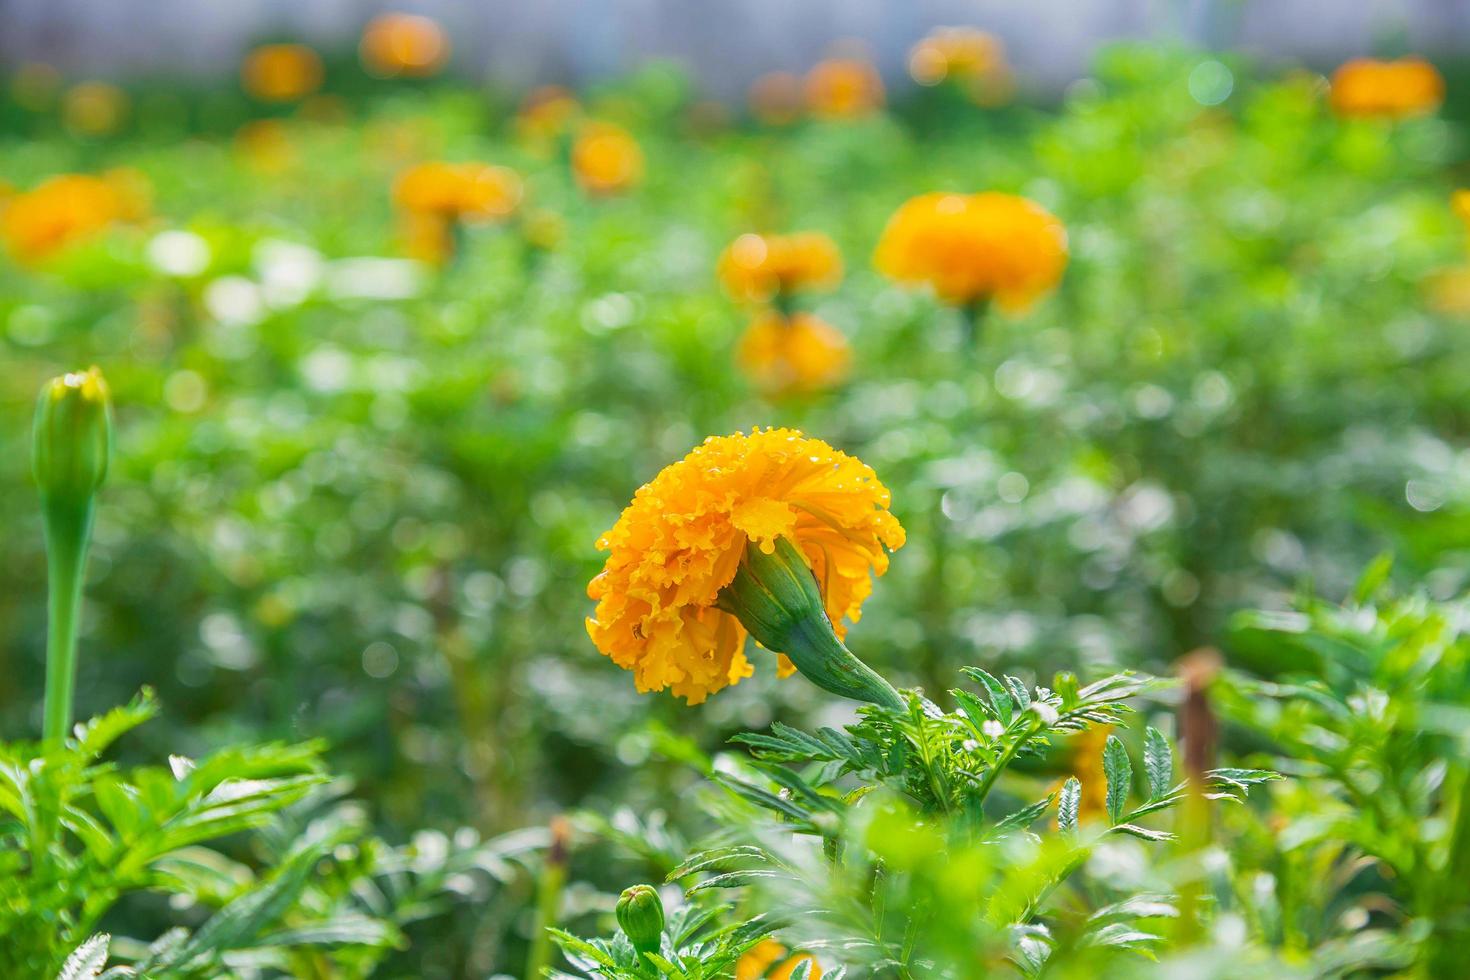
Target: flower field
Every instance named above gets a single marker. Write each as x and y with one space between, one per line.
943 532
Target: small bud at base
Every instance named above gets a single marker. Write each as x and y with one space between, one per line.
640 915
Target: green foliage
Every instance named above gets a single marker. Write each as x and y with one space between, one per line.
82 836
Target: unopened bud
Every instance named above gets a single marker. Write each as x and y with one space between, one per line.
72 437
641 916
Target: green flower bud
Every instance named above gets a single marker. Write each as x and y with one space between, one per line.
72 437
641 917
775 597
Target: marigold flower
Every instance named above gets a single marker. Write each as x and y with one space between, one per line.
606 159
776 98
426 236
546 113
281 72
403 46
664 609
800 354
757 268
94 108
973 58
764 960
843 88
460 191
65 210
971 248
1369 88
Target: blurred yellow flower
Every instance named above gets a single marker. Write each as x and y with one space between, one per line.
762 962
972 248
973 58
94 108
776 98
756 268
473 192
397 45
606 159
1368 88
281 72
68 209
1460 204
681 541
795 355
843 88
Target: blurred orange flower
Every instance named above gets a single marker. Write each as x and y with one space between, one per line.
973 58
776 98
426 236
606 159
844 88
473 192
399 45
281 72
68 209
546 113
971 248
761 961
94 108
756 268
800 354
1367 88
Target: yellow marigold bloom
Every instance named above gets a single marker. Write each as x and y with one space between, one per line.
426 236
684 537
403 46
606 159
971 248
765 961
67 209
776 98
755 268
459 191
281 72
794 355
94 108
843 88
1368 88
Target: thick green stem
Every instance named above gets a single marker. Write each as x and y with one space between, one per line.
68 538
827 662
548 902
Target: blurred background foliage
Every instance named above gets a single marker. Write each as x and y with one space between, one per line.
357 498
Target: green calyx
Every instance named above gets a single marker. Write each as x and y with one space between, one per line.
776 598
640 915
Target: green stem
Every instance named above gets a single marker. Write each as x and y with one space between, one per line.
553 877
841 672
993 773
68 537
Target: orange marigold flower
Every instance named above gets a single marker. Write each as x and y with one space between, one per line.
459 191
606 159
971 248
1368 88
281 72
684 537
776 98
764 960
843 88
94 108
973 58
427 236
67 209
403 46
794 355
755 268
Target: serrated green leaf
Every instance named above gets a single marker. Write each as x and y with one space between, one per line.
1069 802
87 960
995 689
1158 763
1119 772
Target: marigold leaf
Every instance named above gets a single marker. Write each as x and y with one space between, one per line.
1158 763
1119 772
